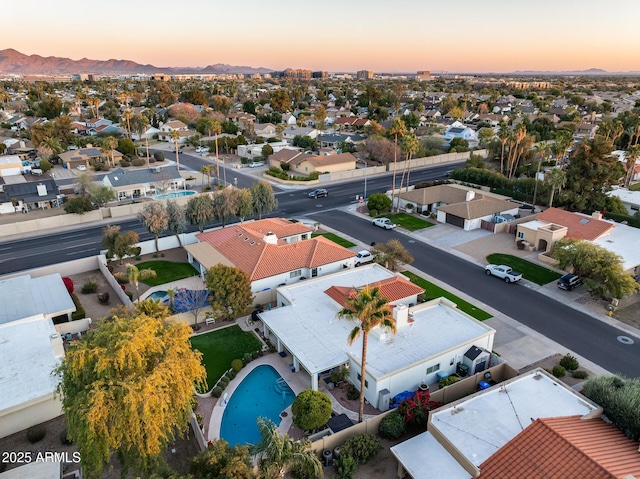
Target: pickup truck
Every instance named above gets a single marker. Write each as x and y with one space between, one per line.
504 272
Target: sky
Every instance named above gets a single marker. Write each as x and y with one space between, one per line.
335 35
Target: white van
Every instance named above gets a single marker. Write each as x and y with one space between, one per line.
36 172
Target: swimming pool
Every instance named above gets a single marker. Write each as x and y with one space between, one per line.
175 194
263 393
161 295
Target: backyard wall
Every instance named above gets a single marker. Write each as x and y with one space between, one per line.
67 268
42 224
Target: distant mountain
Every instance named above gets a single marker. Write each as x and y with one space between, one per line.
590 71
14 62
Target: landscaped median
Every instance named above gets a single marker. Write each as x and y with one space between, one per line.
530 271
432 291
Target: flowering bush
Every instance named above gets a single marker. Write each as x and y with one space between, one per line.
415 410
68 283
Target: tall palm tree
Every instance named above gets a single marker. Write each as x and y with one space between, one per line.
143 123
109 145
126 116
503 134
51 145
206 170
94 103
514 143
410 145
135 275
216 127
277 452
542 152
397 129
175 136
556 178
632 154
369 309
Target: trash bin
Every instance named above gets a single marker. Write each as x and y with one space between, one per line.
483 385
327 457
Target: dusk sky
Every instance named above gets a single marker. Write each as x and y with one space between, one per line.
345 35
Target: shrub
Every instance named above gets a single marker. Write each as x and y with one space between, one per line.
224 382
393 425
77 205
36 433
339 375
580 374
447 381
380 202
255 355
217 392
246 359
64 439
79 313
311 409
103 298
231 374
68 283
373 213
415 410
125 163
90 286
121 277
361 447
620 400
558 371
346 467
128 293
158 156
409 207
569 362
237 365
139 162
353 393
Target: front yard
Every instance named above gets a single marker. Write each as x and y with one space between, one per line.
530 271
409 222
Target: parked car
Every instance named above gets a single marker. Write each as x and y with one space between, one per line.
36 172
569 281
318 193
256 164
202 149
504 272
384 223
81 168
363 257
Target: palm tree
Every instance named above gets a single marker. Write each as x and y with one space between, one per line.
632 154
397 129
410 145
216 127
94 103
206 170
109 145
175 136
51 145
126 116
135 275
503 134
542 151
369 309
277 452
143 123
514 143
556 179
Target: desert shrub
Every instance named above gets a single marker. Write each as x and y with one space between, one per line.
569 362
353 393
90 286
103 298
448 381
68 283
373 213
158 156
558 371
338 375
361 447
620 400
393 425
79 313
224 382
345 467
36 433
246 359
125 163
237 365
64 439
217 392
139 162
121 277
255 355
231 374
580 374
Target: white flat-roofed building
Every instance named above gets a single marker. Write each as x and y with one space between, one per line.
30 349
35 470
630 199
431 337
472 429
24 296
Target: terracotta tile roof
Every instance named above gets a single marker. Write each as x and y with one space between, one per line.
245 247
565 447
578 226
394 289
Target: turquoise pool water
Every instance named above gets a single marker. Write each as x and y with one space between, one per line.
263 393
175 194
158 295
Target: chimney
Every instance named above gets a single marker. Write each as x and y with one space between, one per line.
596 215
56 345
270 238
401 315
470 195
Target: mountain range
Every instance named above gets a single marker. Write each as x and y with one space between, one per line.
16 63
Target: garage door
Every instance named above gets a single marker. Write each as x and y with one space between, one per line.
455 221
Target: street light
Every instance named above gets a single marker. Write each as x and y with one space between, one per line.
365 178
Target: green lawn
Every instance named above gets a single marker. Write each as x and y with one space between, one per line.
220 347
432 291
335 239
530 271
409 222
166 271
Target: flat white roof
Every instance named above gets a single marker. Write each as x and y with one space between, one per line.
623 240
35 470
626 196
309 328
534 224
24 296
480 425
412 454
26 361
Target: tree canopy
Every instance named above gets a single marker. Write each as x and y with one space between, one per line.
230 290
264 200
134 399
391 254
222 462
311 409
200 211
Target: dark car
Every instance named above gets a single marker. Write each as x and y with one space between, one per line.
318 193
569 281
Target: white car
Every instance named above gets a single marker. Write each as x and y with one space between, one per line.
384 223
202 149
363 257
81 168
504 272
256 164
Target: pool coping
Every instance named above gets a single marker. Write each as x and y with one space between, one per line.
293 379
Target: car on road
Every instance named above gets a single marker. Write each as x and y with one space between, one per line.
364 257
318 193
256 164
569 281
202 149
504 272
180 150
81 168
383 223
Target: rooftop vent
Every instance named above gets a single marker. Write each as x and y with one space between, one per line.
584 221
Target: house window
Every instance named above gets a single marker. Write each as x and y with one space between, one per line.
433 368
295 274
366 383
520 234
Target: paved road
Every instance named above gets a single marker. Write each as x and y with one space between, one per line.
579 332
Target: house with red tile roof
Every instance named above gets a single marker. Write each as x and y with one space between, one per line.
431 338
563 447
272 251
